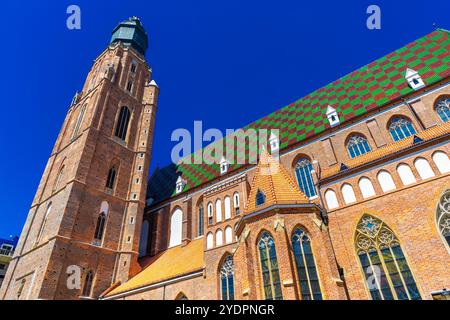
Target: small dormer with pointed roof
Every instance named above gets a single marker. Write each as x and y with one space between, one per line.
274 142
332 116
224 165
414 79
272 185
180 184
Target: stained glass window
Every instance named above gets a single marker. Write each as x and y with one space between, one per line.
385 268
306 267
269 267
443 109
227 279
357 145
443 216
304 177
401 128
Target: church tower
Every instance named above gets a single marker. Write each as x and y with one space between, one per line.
82 231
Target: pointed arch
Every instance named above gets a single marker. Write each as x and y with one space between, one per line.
269 267
79 121
181 296
88 282
443 217
43 223
100 224
122 123
60 175
400 127
226 277
303 168
383 263
227 205
306 266
357 145
112 174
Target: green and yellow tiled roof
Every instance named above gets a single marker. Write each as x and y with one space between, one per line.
361 91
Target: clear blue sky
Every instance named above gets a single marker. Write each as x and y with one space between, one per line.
227 63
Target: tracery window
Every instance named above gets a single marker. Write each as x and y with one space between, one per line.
227 279
401 128
306 267
384 265
269 267
443 216
304 177
357 145
443 109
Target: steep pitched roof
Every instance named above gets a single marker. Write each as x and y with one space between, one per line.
275 183
355 94
172 263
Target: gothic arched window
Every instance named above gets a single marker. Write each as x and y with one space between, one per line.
357 145
260 198
87 288
210 214
59 177
227 279
306 267
100 225
304 177
384 265
111 178
401 128
122 123
443 109
201 224
269 267
443 216
79 121
43 223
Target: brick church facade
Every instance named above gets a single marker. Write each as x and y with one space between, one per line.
349 198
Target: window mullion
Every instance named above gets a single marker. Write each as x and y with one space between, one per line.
387 273
306 269
376 278
269 264
399 272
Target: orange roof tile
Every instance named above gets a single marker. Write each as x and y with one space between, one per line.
275 182
173 262
389 149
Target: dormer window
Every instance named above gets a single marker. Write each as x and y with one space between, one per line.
333 117
224 166
180 184
274 142
260 198
414 79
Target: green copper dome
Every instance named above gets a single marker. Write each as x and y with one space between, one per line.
131 33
